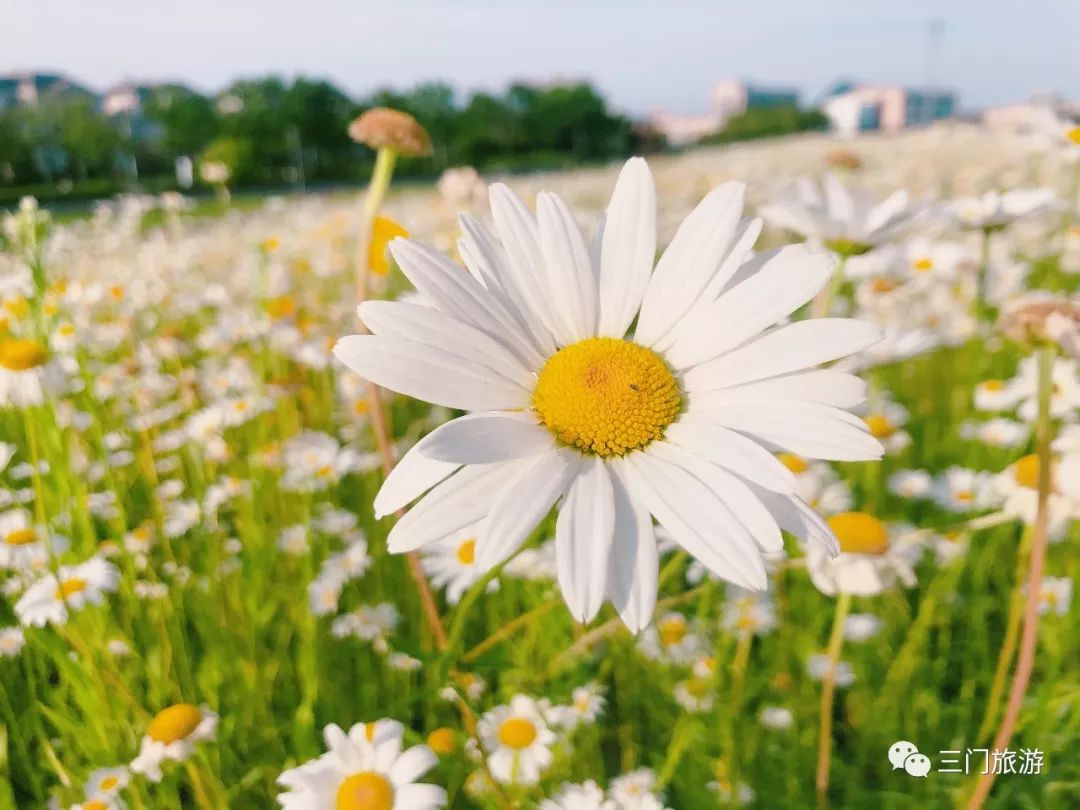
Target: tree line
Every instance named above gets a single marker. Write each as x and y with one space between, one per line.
271 132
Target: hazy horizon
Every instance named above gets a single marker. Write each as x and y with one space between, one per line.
988 55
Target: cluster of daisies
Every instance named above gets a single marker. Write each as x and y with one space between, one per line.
632 403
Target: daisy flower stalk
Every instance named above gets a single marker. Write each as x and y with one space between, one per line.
675 422
1046 351
390 133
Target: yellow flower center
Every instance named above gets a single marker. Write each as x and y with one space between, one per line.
859 533
109 782
672 631
466 552
20 537
442 741
924 264
797 464
281 307
965 496
880 426
606 396
365 790
517 733
1026 472
21 355
70 587
174 723
993 385
383 232
95 804
1074 135
883 285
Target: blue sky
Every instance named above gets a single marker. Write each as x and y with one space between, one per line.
643 55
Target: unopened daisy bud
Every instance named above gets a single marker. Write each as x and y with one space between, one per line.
1042 319
384 128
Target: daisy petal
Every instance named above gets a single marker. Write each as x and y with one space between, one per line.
733 451
823 386
786 282
568 269
628 248
583 537
522 502
429 374
460 296
421 796
454 504
411 765
440 331
695 518
794 347
732 493
804 428
482 438
691 262
633 562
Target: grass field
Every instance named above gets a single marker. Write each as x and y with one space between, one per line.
187 521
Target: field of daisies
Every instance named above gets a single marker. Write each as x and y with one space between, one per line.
748 476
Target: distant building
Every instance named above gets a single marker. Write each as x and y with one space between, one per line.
29 89
885 108
1036 115
728 99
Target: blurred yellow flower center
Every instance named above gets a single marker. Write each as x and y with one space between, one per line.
993 385
466 552
365 790
859 533
441 741
965 496
174 723
1074 135
95 804
108 783
883 285
70 587
797 464
517 733
671 631
1026 472
20 537
21 355
606 396
697 687
880 426
282 307
924 264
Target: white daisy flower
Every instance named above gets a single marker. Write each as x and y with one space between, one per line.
586 796
636 790
106 782
849 222
962 490
818 665
861 626
72 587
365 769
676 423
910 483
172 735
23 546
27 374
869 560
999 432
1055 596
671 638
1016 488
12 641
776 718
995 210
452 563
517 740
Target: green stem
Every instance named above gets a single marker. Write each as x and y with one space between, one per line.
828 690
